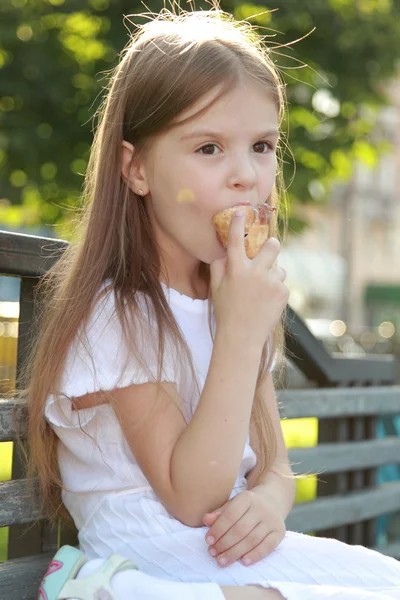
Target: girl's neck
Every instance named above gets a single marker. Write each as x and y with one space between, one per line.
197 290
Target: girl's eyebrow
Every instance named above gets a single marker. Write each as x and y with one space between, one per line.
215 134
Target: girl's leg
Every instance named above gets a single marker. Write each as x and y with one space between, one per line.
69 577
311 561
132 585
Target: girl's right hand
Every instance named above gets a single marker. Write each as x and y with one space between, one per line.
249 295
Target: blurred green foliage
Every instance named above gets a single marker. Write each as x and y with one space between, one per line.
54 59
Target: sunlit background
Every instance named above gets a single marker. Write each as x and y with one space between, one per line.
342 251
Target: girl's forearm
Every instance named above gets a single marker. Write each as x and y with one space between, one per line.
207 456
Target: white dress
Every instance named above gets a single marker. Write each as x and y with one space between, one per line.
116 511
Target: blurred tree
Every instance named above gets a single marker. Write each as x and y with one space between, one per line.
54 58
337 78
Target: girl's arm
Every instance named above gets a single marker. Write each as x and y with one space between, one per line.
193 467
206 458
279 491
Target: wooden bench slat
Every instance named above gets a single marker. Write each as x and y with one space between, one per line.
28 255
333 511
20 578
294 404
339 402
18 503
345 456
13 417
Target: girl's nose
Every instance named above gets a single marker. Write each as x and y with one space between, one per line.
242 174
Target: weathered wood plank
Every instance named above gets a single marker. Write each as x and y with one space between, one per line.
18 505
28 255
348 456
18 502
333 511
27 324
13 417
20 578
339 402
312 358
294 404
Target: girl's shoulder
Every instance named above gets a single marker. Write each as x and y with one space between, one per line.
103 355
103 314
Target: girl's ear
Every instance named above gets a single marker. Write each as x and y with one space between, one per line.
132 171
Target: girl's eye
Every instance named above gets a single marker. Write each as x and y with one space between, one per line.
262 147
208 149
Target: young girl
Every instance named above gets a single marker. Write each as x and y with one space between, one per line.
152 408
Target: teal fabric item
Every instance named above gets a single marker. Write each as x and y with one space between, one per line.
59 581
64 566
96 586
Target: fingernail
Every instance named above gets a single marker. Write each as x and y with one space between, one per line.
239 213
213 552
210 540
247 561
223 560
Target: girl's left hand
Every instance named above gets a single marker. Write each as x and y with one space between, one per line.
247 527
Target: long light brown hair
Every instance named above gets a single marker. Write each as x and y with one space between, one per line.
168 65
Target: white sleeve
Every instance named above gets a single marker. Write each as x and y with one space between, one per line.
97 362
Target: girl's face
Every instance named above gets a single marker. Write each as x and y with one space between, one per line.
225 156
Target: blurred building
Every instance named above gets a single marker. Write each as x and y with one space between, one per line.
347 264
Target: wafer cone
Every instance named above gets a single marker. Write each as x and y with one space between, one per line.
256 226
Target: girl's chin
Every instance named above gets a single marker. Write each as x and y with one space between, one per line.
217 254
216 251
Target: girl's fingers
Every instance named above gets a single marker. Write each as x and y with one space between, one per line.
280 273
268 545
268 253
209 519
231 514
236 249
236 534
246 546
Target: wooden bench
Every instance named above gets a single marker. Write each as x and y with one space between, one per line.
19 578
347 456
